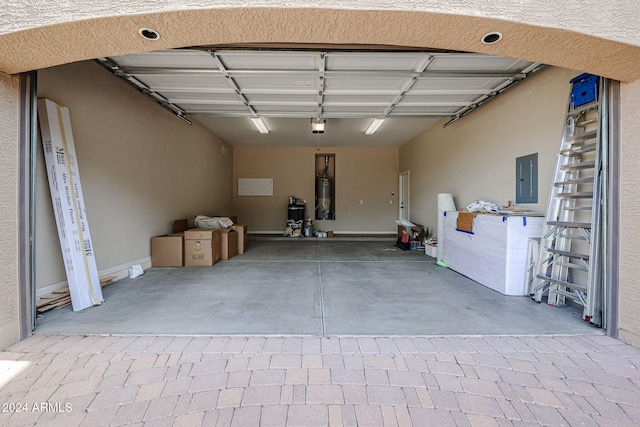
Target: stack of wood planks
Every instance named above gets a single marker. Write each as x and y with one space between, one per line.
56 299
60 299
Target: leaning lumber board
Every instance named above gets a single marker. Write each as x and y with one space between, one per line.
52 300
104 281
46 308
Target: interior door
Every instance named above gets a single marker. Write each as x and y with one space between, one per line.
404 196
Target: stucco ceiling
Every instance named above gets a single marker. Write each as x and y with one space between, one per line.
286 88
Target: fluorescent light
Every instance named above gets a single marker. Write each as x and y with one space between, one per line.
373 127
259 124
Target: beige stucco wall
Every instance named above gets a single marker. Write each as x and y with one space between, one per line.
629 320
475 157
9 311
533 30
141 168
555 14
369 175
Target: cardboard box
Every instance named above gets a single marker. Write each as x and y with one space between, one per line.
167 250
415 229
228 243
242 237
201 247
180 225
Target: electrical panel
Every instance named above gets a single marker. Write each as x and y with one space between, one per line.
527 179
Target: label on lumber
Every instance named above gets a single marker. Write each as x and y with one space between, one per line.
68 205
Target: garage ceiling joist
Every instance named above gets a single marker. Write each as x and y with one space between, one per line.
317 83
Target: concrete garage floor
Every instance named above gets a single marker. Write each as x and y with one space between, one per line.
287 286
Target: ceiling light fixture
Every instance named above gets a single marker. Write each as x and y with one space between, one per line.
318 125
149 34
373 127
259 124
492 37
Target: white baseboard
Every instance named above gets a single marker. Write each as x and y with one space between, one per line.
337 233
367 233
280 232
119 271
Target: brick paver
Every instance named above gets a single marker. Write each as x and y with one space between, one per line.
314 381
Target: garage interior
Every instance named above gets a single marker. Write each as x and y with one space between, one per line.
167 135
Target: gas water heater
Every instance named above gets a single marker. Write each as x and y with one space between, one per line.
324 198
323 192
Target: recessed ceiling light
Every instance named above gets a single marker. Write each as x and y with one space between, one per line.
149 34
492 37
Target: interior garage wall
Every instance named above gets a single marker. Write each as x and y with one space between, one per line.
9 311
474 158
367 174
629 292
140 167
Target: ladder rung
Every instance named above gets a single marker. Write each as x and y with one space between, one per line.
585 149
583 136
571 295
583 108
586 122
568 254
578 208
572 265
578 149
562 282
581 165
575 195
574 181
569 224
571 236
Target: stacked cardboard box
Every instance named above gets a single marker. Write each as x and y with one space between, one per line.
201 247
241 229
197 247
242 237
228 243
167 250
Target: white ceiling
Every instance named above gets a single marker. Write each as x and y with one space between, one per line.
223 89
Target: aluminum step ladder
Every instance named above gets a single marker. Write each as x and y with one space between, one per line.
570 258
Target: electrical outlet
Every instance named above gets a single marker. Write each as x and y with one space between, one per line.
362 202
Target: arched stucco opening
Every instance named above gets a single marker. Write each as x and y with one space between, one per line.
49 45
33 47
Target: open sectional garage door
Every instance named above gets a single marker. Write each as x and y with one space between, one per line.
324 84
